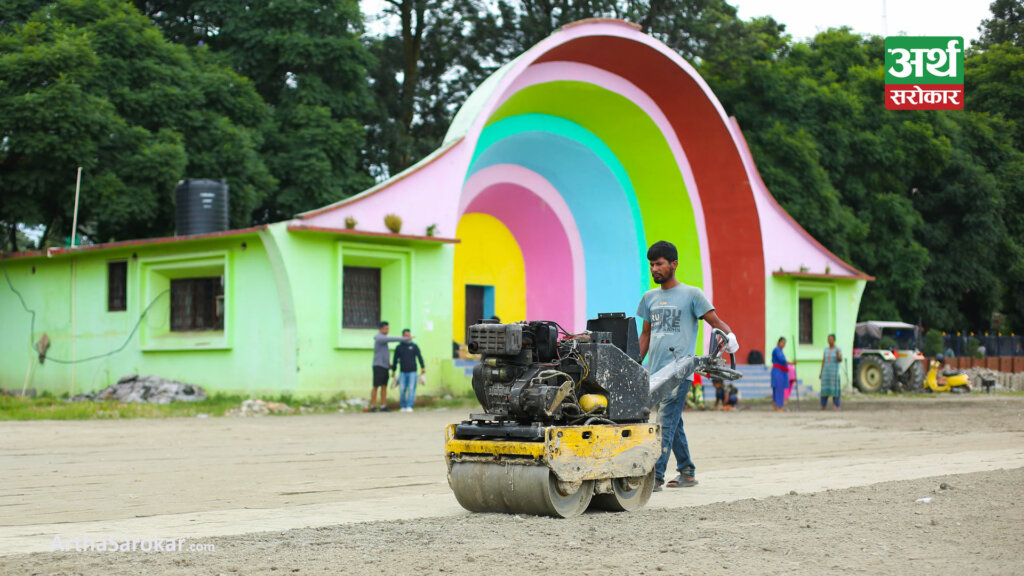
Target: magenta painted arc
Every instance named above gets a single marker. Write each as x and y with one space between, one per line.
553 202
544 243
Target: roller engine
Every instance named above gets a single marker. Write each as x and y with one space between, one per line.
565 421
527 375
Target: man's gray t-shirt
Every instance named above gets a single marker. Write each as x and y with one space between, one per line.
380 349
673 315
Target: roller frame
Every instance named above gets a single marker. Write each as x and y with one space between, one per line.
573 453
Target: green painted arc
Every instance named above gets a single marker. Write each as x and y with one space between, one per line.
635 140
568 129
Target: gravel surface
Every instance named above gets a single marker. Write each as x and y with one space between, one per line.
801 492
973 524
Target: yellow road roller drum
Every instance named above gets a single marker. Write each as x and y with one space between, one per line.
566 418
559 475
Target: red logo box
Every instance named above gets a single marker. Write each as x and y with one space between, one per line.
924 96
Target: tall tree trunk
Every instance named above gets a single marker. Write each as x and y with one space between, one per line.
13 237
654 9
412 13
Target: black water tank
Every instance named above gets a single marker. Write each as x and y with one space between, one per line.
202 206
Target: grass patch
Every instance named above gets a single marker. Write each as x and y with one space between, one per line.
49 407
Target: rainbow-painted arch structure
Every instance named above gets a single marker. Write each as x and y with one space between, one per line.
584 150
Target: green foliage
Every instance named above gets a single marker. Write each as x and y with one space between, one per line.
308 63
1005 26
992 84
92 83
920 200
974 348
932 343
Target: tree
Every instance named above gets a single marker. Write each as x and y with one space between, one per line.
443 49
928 202
992 83
93 84
307 61
458 46
1005 26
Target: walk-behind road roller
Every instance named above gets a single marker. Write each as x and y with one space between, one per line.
566 418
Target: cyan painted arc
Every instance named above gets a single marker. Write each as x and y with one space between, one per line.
641 148
507 127
597 202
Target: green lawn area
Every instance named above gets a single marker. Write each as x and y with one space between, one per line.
52 408
47 407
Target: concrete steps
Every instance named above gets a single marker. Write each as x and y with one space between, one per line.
757 383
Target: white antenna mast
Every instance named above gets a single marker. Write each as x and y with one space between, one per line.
885 23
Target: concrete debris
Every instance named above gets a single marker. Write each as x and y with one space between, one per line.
354 403
152 389
258 407
1005 382
29 392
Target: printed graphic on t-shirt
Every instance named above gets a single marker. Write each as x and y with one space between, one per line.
666 319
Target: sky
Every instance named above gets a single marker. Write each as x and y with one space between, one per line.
805 18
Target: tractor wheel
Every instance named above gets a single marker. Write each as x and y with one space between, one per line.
913 378
873 375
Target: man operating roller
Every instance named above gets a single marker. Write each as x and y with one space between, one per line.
671 313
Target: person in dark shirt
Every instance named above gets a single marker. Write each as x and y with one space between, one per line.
406 356
380 367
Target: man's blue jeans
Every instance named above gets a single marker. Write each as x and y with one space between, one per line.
673 438
406 389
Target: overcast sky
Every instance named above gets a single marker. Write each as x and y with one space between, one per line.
805 18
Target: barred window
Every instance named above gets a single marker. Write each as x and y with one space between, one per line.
117 286
806 321
197 304
360 297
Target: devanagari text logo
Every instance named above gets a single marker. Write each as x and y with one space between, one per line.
924 73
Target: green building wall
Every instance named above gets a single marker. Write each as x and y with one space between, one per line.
282 317
836 301
283 314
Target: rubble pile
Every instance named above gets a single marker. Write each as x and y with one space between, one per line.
1004 381
258 407
152 389
29 392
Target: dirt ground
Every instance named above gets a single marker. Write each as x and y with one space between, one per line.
798 492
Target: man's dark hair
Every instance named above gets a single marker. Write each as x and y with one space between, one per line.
662 249
383 324
406 330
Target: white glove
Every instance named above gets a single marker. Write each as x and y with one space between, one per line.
732 346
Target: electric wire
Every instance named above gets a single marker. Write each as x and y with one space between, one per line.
32 332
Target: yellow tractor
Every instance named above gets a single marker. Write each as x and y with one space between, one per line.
565 422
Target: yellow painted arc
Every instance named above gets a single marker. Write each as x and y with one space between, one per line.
488 255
